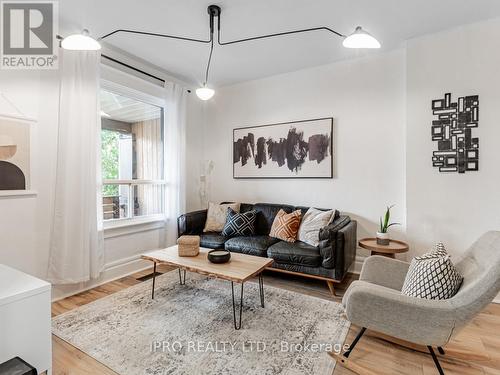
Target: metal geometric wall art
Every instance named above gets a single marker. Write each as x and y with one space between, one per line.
452 128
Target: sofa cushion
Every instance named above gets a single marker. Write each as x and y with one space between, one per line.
239 224
266 214
286 226
432 276
311 224
252 245
212 240
217 215
304 209
298 253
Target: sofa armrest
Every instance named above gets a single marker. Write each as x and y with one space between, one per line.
338 245
418 320
191 223
384 271
346 245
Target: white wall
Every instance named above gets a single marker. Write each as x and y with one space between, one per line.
382 110
366 97
451 207
25 222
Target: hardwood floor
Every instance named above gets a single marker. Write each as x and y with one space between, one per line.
482 335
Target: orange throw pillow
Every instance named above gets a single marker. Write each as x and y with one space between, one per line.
286 226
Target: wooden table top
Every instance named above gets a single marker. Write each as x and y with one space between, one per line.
240 268
394 246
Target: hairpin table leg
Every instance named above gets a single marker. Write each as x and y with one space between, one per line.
154 278
237 326
182 279
261 289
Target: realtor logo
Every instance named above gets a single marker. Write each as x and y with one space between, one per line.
28 38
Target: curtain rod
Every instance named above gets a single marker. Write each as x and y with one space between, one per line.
135 69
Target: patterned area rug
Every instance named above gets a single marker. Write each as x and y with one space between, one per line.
189 330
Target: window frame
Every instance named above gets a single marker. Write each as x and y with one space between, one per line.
138 95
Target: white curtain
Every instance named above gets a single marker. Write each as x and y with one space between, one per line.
148 146
175 157
77 248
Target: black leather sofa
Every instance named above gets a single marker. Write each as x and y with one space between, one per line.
329 261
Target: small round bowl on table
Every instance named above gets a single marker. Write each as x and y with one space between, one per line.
219 256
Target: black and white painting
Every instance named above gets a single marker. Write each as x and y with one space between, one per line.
300 149
454 121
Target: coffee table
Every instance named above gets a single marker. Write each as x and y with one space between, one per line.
239 269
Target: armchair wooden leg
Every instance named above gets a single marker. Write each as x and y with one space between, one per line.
331 287
351 365
469 349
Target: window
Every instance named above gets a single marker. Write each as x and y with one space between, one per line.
132 137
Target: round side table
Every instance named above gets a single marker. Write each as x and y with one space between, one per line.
394 247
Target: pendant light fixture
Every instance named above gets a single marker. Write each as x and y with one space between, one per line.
204 92
358 39
80 42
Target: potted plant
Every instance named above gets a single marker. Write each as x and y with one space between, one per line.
382 235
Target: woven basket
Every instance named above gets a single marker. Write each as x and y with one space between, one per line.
188 246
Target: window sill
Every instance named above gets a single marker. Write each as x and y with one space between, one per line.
117 228
17 193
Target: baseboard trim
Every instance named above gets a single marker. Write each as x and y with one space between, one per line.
113 271
358 263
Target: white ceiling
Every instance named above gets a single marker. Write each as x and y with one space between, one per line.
390 21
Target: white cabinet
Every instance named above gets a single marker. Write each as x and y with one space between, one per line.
25 319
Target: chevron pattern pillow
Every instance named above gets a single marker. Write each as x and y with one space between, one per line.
239 224
286 226
432 276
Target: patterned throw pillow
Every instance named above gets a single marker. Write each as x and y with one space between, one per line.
436 252
217 215
286 226
239 224
311 224
432 276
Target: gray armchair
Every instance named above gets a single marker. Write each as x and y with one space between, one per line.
375 300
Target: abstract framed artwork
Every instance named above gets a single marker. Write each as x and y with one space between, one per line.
15 153
458 150
296 149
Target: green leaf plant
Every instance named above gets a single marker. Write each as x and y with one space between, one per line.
384 222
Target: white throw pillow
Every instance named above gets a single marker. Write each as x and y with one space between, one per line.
217 215
311 224
432 276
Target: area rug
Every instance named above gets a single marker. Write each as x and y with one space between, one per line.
188 329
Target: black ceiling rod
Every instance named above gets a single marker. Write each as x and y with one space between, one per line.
324 28
132 67
135 69
155 34
213 11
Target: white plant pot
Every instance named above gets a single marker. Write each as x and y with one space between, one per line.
383 238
